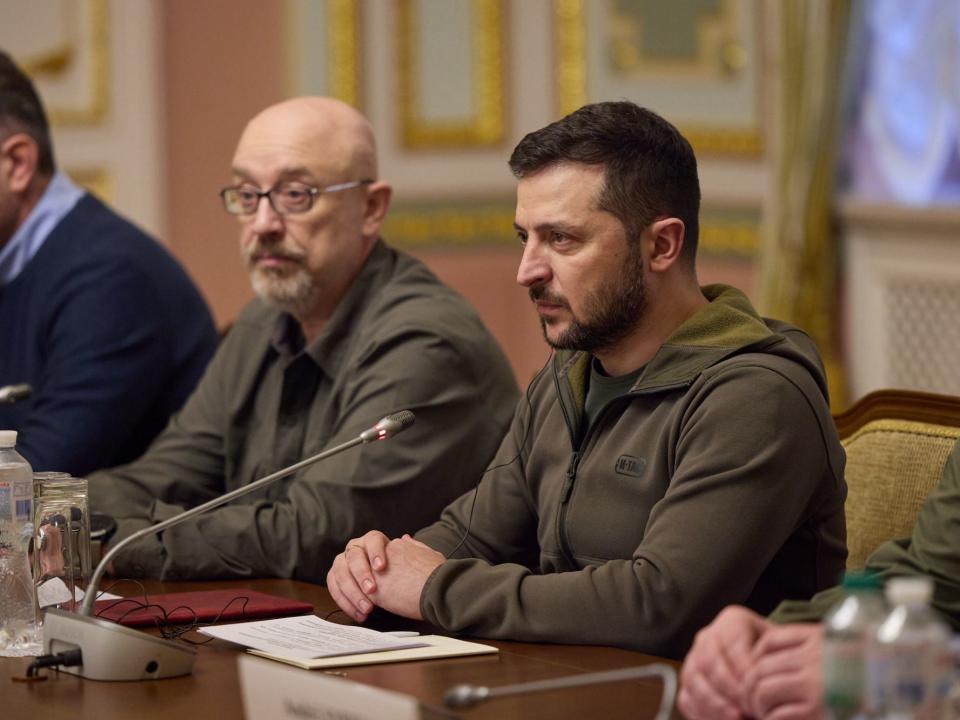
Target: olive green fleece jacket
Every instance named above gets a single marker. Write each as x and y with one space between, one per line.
717 479
933 549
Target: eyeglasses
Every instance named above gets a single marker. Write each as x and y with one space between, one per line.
289 198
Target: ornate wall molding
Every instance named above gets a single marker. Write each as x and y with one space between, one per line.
59 62
325 46
344 50
451 225
723 233
573 83
487 124
571 49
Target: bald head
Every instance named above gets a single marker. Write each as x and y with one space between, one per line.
315 161
322 130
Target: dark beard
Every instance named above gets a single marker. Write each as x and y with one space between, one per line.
610 313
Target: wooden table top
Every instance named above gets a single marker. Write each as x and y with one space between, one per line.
213 690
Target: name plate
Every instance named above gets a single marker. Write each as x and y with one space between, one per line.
272 691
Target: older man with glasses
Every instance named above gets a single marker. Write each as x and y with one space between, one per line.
344 331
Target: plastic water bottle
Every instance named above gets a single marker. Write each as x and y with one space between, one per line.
848 629
910 666
18 619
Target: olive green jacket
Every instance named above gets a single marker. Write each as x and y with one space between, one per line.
717 479
933 549
399 339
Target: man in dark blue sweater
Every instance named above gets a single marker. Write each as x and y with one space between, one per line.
98 318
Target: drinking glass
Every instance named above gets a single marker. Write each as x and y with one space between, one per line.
61 540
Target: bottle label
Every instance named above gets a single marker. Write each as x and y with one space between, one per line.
23 498
843 678
16 499
909 681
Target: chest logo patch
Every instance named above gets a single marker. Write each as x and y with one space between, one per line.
630 465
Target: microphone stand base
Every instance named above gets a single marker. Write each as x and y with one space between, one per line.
113 652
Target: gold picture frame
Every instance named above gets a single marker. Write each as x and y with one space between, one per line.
573 85
487 126
325 43
93 41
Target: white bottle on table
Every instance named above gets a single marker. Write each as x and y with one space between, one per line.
849 628
910 665
18 619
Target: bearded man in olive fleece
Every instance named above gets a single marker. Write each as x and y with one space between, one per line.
678 455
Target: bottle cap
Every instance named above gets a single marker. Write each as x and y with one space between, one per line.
860 580
909 590
8 438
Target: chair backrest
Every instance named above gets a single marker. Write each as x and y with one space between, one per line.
897 443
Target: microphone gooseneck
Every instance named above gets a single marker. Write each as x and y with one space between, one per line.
90 647
461 697
386 428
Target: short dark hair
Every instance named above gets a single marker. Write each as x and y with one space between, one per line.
650 170
22 111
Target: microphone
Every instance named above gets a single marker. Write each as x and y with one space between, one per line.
109 651
460 697
388 426
14 393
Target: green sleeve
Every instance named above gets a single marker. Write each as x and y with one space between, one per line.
933 549
813 610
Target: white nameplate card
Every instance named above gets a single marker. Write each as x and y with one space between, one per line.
306 637
275 692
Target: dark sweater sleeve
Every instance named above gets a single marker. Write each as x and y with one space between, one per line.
106 362
933 549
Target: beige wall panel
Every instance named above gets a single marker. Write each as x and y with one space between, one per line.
95 64
223 62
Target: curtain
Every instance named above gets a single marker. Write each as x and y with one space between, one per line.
799 254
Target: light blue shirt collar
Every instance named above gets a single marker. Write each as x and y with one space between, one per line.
57 200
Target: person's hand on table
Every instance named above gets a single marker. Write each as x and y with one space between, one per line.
375 571
350 579
713 672
409 564
785 680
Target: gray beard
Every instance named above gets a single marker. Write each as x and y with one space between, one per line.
296 294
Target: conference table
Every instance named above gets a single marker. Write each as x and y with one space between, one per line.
213 690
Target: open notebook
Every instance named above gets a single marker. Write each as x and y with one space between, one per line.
436 646
310 642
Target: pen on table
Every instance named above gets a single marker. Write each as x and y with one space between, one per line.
402 633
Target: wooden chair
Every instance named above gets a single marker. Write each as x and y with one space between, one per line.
897 443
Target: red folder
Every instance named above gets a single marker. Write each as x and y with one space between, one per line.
184 608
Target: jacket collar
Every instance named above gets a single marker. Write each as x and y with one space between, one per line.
727 325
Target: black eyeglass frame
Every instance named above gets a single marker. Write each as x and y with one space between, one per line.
313 192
